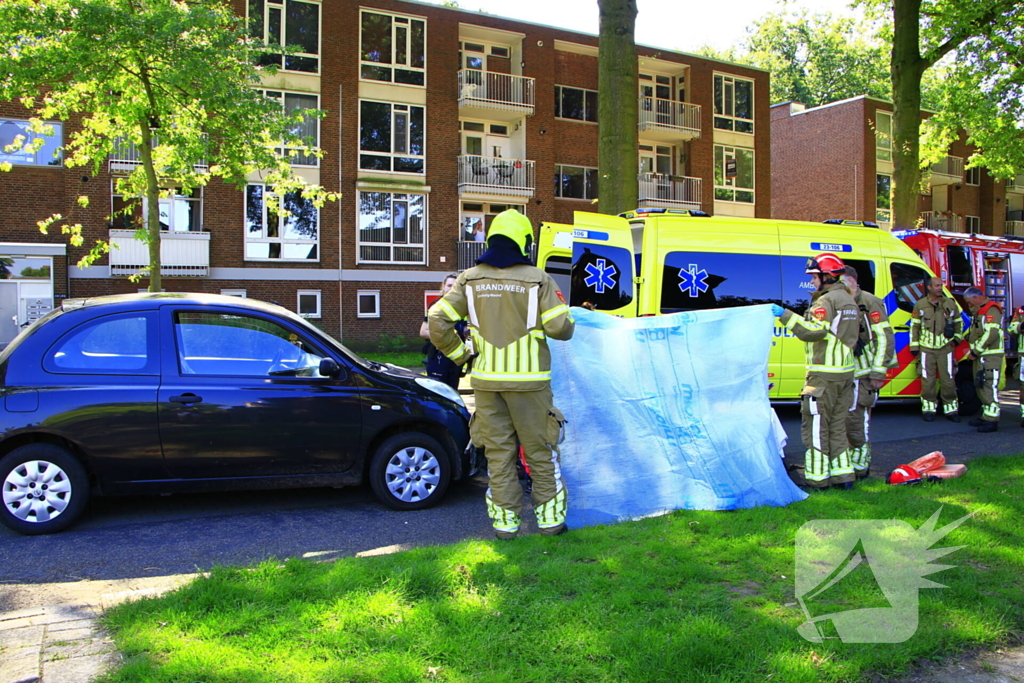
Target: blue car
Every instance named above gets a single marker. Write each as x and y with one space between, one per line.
163 393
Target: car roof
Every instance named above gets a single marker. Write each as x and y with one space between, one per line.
153 300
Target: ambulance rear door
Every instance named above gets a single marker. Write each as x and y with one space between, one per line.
602 267
908 282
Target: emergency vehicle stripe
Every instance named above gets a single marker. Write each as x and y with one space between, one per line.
531 313
471 304
554 313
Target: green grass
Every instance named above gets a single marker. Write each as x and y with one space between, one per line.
403 359
692 596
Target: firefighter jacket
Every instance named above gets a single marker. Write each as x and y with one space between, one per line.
511 312
830 329
986 336
878 343
928 324
1017 328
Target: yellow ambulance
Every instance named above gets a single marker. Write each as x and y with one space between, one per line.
656 261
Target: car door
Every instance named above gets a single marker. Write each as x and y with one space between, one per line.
242 397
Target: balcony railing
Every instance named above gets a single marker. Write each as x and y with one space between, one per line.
1015 185
182 254
657 190
126 157
947 171
496 176
678 120
496 92
1015 228
469 252
937 221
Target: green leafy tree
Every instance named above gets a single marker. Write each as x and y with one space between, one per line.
177 80
617 106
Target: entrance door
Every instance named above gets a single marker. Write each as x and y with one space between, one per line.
8 312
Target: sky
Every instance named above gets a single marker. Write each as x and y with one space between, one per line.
683 25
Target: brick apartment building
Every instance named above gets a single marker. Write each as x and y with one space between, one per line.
835 161
436 120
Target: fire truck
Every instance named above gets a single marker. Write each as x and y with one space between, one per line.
995 265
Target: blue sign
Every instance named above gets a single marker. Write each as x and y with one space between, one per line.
827 246
600 276
579 234
693 280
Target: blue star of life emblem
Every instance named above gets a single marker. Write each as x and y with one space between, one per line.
693 280
600 275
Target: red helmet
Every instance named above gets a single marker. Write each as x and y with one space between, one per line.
903 475
825 263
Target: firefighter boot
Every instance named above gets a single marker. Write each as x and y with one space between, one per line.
988 427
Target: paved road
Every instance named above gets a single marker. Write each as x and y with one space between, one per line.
141 543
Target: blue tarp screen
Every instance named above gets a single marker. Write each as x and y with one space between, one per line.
668 412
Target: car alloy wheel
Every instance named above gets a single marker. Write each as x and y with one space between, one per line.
44 489
410 471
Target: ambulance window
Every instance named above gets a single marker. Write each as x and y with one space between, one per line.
909 283
961 273
602 275
559 268
865 274
698 280
796 283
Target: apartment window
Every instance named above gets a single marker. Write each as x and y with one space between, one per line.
477 217
290 23
272 236
734 174
180 210
883 136
240 293
392 227
883 198
393 49
390 137
575 182
734 104
368 303
13 131
575 103
974 176
308 304
308 129
973 224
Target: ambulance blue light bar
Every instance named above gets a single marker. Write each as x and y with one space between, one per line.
640 213
856 224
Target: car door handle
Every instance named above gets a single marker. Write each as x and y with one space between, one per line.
186 399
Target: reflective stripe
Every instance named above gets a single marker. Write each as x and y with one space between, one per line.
471 304
531 313
554 313
449 311
924 365
856 395
830 368
458 352
512 377
815 424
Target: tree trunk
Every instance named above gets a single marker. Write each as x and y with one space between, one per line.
908 67
152 207
617 113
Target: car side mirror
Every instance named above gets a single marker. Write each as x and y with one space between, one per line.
329 368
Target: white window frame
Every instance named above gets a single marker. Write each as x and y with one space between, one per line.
881 217
308 292
559 174
729 184
375 293
976 220
392 244
883 141
394 42
729 80
392 155
25 130
282 96
282 5
265 239
141 212
240 293
974 172
558 104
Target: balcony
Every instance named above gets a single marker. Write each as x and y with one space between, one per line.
668 121
657 190
494 96
1014 228
1015 185
496 176
469 252
933 220
126 158
182 254
948 171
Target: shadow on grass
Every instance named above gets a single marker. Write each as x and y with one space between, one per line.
693 596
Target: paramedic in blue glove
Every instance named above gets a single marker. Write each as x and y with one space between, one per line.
830 328
513 308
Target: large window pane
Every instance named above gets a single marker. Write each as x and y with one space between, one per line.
745 168
376 46
47 155
572 103
303 26
302 223
417 50
375 127
744 100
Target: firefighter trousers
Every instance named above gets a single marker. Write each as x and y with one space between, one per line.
987 370
858 425
936 365
824 406
503 420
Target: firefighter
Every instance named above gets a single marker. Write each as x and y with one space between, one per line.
935 329
1017 328
512 308
877 352
986 342
830 328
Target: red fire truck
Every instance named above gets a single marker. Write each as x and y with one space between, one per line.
994 265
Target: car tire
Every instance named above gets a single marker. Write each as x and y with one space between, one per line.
41 469
410 471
